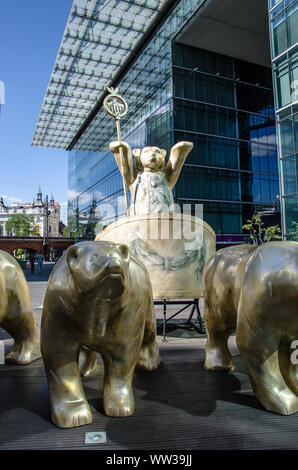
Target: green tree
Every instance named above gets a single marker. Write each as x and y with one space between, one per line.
67 232
259 233
19 253
20 225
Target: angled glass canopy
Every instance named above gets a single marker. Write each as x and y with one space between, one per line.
98 38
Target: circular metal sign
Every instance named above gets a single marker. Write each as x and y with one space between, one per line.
115 105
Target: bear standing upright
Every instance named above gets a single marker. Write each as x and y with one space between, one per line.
149 180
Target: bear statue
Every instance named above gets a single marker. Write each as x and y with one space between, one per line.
98 299
16 314
254 290
149 180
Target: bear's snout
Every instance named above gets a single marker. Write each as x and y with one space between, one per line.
108 267
111 280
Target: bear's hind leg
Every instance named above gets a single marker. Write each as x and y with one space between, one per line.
288 362
149 358
23 329
259 351
217 354
69 407
87 362
18 320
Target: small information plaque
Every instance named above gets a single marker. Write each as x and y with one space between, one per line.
97 437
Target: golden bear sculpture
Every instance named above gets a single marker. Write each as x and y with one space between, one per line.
16 314
254 290
98 297
149 180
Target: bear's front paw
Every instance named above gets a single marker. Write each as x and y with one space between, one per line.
283 402
71 415
119 402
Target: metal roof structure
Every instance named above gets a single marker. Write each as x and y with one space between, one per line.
99 38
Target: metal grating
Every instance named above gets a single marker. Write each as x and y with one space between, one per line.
98 38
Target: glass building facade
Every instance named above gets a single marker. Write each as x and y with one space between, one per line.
225 106
176 92
283 17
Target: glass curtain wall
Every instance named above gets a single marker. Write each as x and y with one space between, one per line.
225 106
94 178
283 16
175 92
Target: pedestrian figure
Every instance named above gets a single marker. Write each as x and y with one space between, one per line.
31 259
40 259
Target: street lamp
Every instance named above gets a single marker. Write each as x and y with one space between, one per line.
46 213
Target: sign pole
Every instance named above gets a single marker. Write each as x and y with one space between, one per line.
116 106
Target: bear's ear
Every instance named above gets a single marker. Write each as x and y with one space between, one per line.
77 260
73 260
125 252
137 154
72 255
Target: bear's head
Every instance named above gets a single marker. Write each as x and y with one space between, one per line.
100 266
150 159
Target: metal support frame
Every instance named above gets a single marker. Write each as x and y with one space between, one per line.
194 303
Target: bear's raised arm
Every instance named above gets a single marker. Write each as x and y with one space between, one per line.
176 161
129 170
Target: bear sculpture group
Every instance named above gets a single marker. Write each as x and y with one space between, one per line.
99 300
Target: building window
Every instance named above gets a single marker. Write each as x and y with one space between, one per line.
279 34
284 28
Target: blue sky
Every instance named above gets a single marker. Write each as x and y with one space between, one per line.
30 35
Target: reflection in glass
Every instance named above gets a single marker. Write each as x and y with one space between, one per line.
285 129
283 85
291 216
289 175
279 30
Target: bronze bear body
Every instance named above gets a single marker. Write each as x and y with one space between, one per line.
98 297
254 290
16 314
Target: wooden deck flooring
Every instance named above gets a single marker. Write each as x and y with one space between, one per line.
179 406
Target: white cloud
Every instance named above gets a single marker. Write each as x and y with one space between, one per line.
265 139
14 199
72 194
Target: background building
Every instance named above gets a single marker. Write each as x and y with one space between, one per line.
284 50
46 215
197 70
